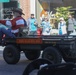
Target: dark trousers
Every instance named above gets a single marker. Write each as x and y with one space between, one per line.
7 32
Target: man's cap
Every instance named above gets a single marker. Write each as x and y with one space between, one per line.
19 10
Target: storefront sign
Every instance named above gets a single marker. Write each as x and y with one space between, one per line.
53 1
29 41
4 0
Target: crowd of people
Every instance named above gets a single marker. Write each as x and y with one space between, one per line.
64 28
11 27
46 27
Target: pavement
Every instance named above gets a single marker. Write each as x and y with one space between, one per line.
17 69
1 48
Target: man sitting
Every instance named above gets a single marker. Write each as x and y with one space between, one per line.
15 24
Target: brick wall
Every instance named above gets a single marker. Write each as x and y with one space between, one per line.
25 5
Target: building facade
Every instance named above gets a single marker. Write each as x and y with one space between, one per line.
50 5
5 8
28 7
35 6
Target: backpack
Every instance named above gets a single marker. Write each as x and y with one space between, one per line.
25 23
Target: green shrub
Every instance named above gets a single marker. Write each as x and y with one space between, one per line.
63 12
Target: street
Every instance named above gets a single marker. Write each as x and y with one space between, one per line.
17 69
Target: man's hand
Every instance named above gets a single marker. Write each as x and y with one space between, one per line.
35 23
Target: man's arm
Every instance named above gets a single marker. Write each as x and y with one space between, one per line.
3 22
36 23
6 22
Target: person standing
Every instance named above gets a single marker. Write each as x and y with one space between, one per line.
62 27
32 25
46 26
71 23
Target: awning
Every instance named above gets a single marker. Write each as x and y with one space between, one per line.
73 9
53 1
4 0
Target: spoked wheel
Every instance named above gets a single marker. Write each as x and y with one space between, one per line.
52 54
11 54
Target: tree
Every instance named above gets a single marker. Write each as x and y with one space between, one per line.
63 12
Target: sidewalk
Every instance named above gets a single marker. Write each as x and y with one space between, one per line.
1 48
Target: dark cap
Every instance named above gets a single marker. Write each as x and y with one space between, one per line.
32 14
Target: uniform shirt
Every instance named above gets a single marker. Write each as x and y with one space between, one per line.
62 28
46 27
31 25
